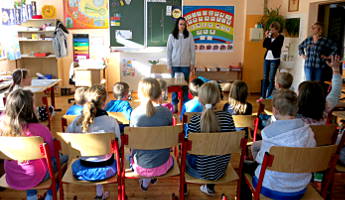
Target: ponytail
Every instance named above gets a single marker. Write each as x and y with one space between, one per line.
209 121
89 114
150 109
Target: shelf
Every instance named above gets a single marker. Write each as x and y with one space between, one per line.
31 40
36 31
34 57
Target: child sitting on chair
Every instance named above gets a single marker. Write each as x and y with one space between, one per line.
288 131
164 96
94 119
120 104
79 97
194 104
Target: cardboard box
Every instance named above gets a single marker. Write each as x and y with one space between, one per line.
87 77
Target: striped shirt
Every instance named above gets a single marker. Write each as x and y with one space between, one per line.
210 167
314 51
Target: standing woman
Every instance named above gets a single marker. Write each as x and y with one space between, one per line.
315 50
181 54
273 43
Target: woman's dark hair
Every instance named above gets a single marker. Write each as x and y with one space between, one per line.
176 31
17 77
311 100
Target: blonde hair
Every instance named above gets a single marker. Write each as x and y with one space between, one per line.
79 95
95 99
19 111
149 89
238 96
209 94
120 90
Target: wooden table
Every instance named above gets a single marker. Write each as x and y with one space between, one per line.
42 85
176 86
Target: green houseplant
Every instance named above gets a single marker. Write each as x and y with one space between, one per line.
270 16
292 27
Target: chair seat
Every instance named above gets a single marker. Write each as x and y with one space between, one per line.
230 175
172 172
340 168
45 185
69 178
310 194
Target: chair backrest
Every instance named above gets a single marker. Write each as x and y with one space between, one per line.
119 116
325 134
159 69
265 104
211 144
152 138
88 144
188 115
220 105
244 121
69 118
301 160
21 148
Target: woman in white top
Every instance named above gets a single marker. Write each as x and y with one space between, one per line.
180 54
273 43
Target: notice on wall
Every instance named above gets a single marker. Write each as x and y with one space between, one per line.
86 14
211 26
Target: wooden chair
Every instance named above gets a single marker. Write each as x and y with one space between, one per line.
41 99
265 105
67 120
119 116
213 144
151 138
90 144
325 134
250 122
30 148
188 115
220 105
297 160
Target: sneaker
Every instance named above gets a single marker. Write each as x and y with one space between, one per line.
144 189
206 191
154 181
103 197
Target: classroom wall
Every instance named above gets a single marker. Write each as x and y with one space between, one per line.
308 11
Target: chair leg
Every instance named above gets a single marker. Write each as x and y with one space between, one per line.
61 191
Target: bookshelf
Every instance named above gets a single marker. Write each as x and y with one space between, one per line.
35 36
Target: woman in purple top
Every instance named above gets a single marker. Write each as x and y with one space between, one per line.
19 119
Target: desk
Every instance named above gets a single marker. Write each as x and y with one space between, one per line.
42 85
176 86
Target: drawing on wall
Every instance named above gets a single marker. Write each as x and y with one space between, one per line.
211 26
86 14
127 67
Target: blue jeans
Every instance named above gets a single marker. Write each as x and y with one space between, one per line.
32 194
270 69
313 74
186 71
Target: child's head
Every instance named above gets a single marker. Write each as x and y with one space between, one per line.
96 96
209 96
149 91
120 90
19 110
284 104
311 100
21 77
164 87
238 96
194 86
284 80
79 95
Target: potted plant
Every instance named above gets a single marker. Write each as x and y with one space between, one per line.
292 27
270 16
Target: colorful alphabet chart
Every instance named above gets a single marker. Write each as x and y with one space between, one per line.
86 14
211 26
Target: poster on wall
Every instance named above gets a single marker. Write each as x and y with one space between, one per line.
86 14
127 67
211 26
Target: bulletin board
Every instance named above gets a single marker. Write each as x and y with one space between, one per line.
86 14
211 26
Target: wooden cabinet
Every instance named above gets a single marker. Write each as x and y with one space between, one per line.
36 46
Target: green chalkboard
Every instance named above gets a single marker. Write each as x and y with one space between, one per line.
150 27
161 16
127 16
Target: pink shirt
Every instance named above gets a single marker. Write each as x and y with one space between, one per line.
28 174
169 106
